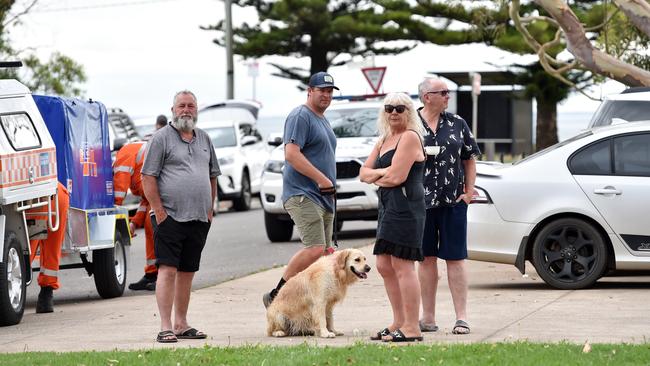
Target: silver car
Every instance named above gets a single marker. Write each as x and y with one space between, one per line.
576 210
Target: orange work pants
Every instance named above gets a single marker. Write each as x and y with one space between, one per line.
150 264
51 246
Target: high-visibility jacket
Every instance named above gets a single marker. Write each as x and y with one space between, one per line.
127 170
127 175
50 248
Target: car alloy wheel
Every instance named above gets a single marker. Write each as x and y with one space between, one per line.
569 254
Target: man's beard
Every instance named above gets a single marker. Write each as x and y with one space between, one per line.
184 123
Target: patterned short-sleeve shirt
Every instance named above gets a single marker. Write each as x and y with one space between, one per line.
444 173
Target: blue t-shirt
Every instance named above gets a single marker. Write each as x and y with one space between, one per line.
314 135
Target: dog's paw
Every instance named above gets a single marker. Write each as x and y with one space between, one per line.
279 333
327 334
336 332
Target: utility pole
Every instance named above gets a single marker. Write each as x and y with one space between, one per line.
230 70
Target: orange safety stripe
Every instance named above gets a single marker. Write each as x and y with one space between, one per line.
14 167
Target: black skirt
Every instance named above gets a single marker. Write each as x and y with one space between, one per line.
400 251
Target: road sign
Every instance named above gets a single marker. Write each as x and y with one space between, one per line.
374 75
253 69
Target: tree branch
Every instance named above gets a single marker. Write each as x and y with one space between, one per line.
582 49
17 16
638 11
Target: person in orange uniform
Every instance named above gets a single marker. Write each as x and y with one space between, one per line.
126 174
50 251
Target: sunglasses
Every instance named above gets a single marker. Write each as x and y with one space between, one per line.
390 108
442 93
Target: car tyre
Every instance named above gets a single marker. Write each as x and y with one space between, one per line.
339 226
13 284
215 206
109 269
277 230
243 202
569 254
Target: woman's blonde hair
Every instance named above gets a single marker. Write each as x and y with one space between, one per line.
412 120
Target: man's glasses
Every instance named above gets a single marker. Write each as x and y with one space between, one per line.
443 93
390 108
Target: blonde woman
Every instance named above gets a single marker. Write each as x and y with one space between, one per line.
396 165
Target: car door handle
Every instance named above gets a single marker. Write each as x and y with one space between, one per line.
607 190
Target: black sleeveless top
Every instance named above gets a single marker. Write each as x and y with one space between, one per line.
402 212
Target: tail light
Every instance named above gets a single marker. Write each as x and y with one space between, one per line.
480 196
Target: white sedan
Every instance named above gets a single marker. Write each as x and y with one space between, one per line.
575 210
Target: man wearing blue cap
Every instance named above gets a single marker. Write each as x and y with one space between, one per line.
309 176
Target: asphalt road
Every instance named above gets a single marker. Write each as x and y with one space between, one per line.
237 245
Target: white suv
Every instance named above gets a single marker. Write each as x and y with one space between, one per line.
240 150
355 126
631 105
241 153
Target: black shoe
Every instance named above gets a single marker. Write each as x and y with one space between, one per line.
143 283
151 286
268 297
45 304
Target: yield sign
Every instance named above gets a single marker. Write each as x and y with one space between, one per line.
374 75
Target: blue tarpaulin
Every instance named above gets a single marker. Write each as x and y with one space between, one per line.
83 156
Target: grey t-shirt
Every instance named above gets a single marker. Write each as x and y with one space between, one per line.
183 171
314 135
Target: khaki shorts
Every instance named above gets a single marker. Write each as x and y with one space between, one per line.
314 223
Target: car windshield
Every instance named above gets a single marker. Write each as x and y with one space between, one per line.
226 113
144 130
553 147
222 136
627 110
357 122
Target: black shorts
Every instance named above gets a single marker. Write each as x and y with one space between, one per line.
445 232
179 244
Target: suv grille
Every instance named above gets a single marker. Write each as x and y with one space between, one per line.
347 169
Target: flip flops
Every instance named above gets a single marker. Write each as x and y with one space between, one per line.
461 327
398 336
166 336
191 333
424 327
382 333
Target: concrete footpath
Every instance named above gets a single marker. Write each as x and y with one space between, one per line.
503 307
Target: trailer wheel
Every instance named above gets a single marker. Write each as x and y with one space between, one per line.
109 269
13 283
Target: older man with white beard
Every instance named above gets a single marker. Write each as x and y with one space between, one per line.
179 179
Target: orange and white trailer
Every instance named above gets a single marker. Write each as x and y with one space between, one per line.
97 239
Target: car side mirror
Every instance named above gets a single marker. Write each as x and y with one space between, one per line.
119 142
248 140
275 139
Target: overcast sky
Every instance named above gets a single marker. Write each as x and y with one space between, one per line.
138 53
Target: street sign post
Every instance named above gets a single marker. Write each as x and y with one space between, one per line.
254 72
374 76
476 90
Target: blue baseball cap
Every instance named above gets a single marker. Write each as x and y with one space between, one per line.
322 80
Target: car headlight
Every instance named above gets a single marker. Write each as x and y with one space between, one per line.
480 196
226 160
274 166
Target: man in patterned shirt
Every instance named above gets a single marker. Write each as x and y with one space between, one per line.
449 176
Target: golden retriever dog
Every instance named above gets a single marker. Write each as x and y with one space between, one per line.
304 304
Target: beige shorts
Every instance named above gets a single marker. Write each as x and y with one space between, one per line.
314 223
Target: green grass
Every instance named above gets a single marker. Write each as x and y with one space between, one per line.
518 353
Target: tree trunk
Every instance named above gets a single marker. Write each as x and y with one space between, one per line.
318 56
546 124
